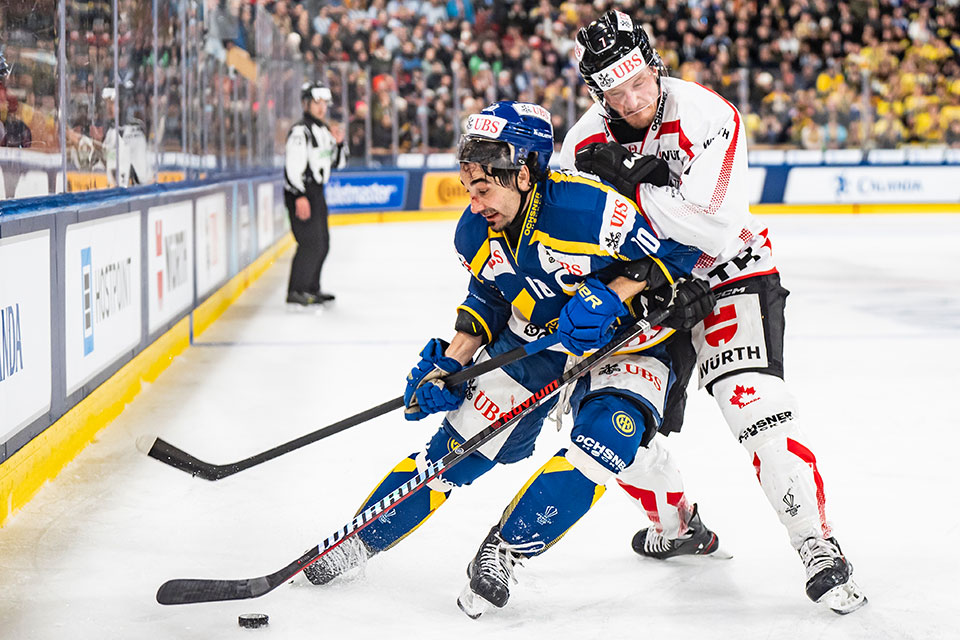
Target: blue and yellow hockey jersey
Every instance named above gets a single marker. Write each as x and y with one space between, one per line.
572 227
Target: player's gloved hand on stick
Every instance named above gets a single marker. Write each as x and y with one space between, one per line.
694 301
426 393
588 320
622 168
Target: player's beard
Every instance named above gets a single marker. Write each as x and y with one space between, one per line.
499 224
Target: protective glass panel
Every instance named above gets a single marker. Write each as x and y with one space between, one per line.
90 96
31 161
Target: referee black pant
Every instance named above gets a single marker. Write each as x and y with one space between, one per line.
313 241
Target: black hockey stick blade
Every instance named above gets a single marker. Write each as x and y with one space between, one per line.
192 590
177 458
187 591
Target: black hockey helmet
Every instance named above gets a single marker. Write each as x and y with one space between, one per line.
315 91
613 49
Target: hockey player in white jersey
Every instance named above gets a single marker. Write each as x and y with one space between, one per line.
679 150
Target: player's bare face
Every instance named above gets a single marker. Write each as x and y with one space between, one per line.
497 204
636 99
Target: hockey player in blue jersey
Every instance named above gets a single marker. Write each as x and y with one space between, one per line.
546 251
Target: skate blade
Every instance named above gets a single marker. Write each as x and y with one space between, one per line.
472 604
844 598
309 310
722 553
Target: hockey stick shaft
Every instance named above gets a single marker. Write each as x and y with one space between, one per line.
177 458
191 590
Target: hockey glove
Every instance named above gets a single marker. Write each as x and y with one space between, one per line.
622 168
426 392
588 320
693 302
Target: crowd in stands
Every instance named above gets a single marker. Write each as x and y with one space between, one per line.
814 74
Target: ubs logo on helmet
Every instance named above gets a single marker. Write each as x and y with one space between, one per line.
625 68
486 126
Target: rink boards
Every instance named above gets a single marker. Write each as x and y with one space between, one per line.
98 294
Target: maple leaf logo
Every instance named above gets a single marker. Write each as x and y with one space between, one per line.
739 394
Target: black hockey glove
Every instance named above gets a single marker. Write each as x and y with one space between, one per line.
692 303
623 169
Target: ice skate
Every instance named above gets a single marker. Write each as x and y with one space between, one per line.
829 580
490 573
351 554
697 541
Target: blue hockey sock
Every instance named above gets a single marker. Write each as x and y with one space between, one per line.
400 520
548 505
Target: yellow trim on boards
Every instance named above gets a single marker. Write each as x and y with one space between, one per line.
41 459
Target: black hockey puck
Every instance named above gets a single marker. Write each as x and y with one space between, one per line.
253 620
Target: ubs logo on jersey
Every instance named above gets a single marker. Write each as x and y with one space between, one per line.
614 369
567 269
618 216
721 325
11 342
486 406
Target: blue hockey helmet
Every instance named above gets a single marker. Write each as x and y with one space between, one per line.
522 127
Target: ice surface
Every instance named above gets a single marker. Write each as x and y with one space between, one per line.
873 342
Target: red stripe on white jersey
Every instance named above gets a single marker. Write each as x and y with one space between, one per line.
674 127
726 168
597 137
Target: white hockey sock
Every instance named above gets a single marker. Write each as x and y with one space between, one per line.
654 483
763 416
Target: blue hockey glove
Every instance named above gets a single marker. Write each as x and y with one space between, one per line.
425 392
588 321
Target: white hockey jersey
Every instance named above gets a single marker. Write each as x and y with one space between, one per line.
311 154
702 138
